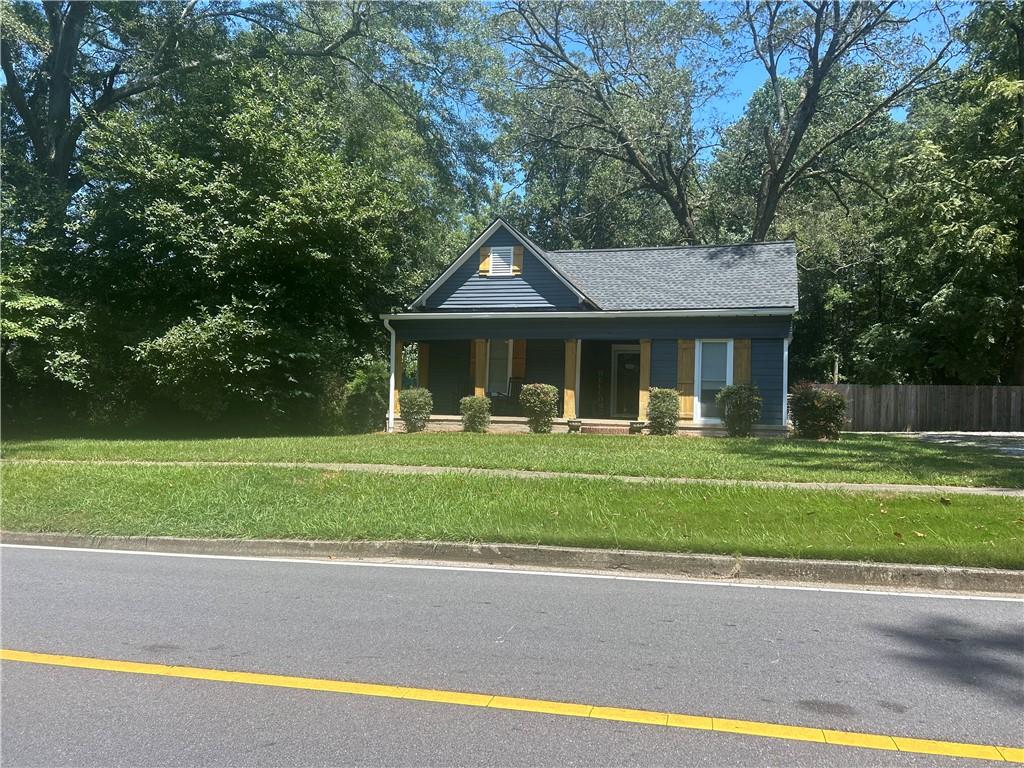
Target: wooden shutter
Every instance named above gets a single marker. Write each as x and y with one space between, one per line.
686 350
485 259
423 365
519 359
517 260
569 380
741 361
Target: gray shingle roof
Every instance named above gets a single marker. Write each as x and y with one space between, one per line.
748 276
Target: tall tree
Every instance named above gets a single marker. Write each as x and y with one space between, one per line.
814 42
619 80
68 62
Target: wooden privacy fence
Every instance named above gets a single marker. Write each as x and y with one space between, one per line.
923 407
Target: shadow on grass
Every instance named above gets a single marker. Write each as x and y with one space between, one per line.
868 455
965 653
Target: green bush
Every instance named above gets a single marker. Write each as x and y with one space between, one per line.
540 404
817 413
740 406
366 397
476 413
415 405
662 411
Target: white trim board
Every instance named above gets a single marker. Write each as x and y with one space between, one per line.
697 374
576 314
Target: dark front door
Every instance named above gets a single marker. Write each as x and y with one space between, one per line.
626 385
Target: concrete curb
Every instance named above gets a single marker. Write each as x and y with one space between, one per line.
717 567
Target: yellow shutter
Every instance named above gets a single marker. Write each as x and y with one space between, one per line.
519 359
741 361
686 350
645 379
480 367
517 260
569 380
485 260
423 365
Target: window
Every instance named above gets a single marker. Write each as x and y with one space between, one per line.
714 373
499 365
501 261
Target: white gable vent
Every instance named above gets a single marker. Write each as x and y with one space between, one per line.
501 261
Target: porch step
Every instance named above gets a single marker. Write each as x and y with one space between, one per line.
604 429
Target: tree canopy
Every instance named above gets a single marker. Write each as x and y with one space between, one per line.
205 205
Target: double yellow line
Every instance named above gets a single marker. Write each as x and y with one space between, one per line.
565 709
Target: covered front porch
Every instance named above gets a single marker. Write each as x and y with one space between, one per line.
597 380
603 376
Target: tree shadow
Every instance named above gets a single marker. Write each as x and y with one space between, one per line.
857 458
968 654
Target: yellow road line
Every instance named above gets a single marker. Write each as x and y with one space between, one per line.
670 719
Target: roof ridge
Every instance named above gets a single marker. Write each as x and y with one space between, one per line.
670 247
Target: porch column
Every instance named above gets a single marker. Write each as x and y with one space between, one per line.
684 377
479 367
571 378
645 378
399 371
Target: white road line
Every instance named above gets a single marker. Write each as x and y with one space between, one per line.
525 571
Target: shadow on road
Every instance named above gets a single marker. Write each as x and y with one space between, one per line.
963 652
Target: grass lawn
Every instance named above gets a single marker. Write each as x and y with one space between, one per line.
863 459
301 503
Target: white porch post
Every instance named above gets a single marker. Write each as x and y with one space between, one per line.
785 382
391 380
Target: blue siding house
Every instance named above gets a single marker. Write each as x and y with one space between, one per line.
603 326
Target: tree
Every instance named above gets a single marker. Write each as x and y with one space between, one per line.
618 80
68 62
816 41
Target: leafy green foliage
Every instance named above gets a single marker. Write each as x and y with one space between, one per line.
416 406
476 413
816 412
365 408
540 404
662 411
740 406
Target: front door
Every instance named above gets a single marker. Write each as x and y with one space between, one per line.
625 381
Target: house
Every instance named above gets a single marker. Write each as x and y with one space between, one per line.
604 326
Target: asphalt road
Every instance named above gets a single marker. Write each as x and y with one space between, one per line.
924 667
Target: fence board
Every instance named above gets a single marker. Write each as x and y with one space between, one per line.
922 407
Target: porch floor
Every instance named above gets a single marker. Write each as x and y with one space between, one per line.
453 423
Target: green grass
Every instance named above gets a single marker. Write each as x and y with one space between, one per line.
859 459
309 504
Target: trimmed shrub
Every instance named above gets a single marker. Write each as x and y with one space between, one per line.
662 411
416 406
476 413
817 413
740 406
540 404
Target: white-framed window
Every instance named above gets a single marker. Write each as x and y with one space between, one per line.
499 365
713 372
501 261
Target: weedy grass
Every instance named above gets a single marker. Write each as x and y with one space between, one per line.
259 502
855 458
